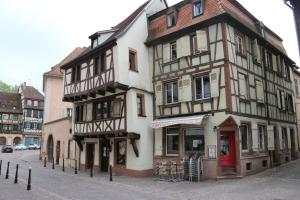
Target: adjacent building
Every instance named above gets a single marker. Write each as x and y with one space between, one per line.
57 139
33 111
296 76
11 119
110 87
223 89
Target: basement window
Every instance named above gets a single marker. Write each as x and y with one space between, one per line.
248 166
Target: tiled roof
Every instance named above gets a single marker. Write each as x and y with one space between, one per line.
55 70
118 30
31 93
212 8
10 103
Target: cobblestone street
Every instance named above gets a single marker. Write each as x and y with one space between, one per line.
275 184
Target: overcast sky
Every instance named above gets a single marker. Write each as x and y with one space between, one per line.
37 34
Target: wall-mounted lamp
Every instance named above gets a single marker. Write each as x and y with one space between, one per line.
215 128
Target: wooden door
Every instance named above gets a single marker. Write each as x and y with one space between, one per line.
227 148
90 148
104 157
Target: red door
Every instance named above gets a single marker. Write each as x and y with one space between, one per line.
227 149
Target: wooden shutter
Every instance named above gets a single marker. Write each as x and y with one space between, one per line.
202 40
288 130
183 46
280 137
294 105
260 91
184 89
256 52
274 62
166 52
254 137
278 64
279 99
242 82
271 143
214 83
159 94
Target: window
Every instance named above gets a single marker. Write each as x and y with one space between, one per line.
27 125
244 136
35 103
102 110
140 100
41 104
290 103
239 40
78 73
194 45
171 19
29 103
173 51
132 60
16 128
261 137
96 66
120 152
35 113
202 88
69 150
296 87
284 139
39 126
172 141
103 63
29 113
171 90
268 61
35 126
79 113
197 9
73 75
243 86
116 108
194 140
69 112
41 114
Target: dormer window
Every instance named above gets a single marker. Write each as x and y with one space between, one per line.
171 19
94 42
198 8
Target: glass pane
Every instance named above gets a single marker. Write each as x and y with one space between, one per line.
175 93
121 152
224 145
197 9
194 140
206 83
169 92
172 140
198 83
244 134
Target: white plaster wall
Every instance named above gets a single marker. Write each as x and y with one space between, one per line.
140 125
134 38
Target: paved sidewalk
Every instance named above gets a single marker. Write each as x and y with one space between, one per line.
275 184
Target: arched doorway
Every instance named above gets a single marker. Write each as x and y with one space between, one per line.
17 140
50 148
2 140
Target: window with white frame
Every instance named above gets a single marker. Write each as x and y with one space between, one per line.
244 136
197 8
171 19
202 87
35 103
172 141
261 137
29 102
240 45
171 91
173 51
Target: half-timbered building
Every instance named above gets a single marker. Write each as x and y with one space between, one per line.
11 119
33 111
223 88
110 86
296 76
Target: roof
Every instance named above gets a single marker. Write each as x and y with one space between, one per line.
212 9
118 30
29 92
10 103
55 70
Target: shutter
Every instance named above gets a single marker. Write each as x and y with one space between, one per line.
185 46
166 52
271 143
184 91
242 82
280 137
274 62
283 69
283 100
214 83
158 95
278 64
260 92
258 55
254 137
254 49
294 105
266 60
202 40
278 99
179 45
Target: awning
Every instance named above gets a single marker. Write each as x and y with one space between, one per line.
160 123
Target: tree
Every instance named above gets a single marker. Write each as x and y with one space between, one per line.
4 87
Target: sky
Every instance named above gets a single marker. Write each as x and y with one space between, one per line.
37 34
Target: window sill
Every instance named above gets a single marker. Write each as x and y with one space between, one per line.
244 100
200 53
171 62
133 70
206 100
196 16
142 116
